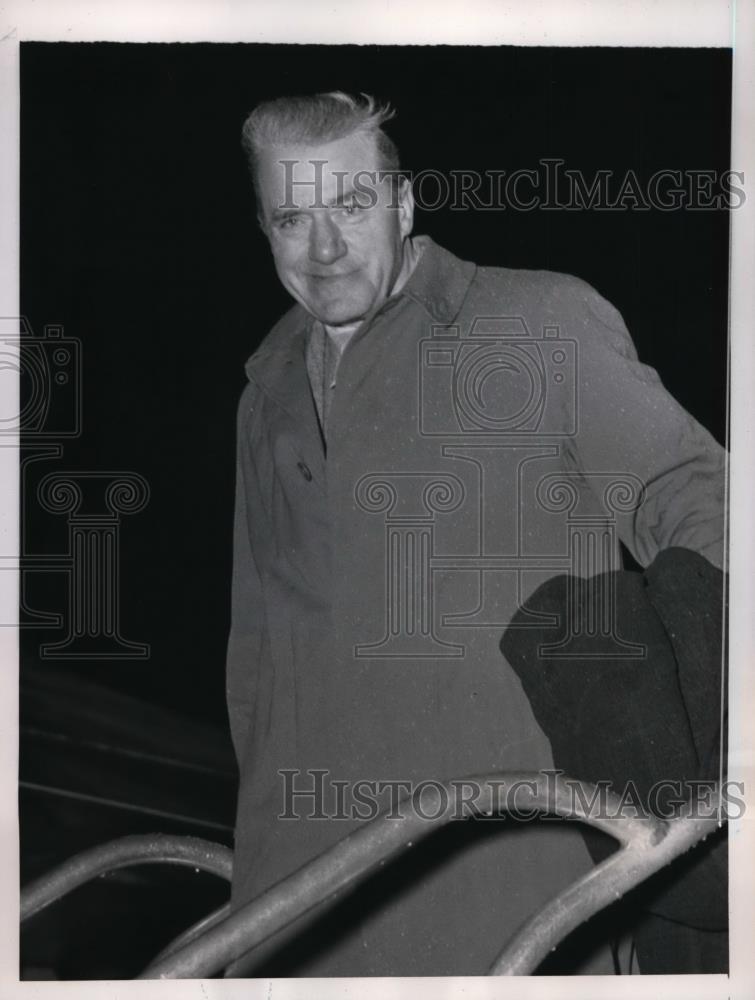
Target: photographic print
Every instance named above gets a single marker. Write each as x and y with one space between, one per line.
373 569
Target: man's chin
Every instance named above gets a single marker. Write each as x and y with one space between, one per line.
337 304
339 319
338 313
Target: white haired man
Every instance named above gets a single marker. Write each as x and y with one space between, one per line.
402 441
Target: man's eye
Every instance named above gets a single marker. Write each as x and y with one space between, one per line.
290 221
351 207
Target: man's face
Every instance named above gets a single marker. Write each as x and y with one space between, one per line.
335 229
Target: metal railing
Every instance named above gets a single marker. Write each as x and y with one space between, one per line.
223 937
123 853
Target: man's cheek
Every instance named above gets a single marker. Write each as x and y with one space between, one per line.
287 272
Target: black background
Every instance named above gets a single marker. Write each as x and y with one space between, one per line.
138 235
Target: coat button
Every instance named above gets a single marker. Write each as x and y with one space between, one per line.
304 469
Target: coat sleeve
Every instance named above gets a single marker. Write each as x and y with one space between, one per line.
627 422
247 607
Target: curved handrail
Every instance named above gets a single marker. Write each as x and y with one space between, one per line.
648 844
604 884
134 850
222 937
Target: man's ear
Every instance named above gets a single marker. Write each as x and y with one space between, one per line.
405 206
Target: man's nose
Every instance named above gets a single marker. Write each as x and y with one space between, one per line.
326 244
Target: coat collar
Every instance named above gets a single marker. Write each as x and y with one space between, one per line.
439 283
278 367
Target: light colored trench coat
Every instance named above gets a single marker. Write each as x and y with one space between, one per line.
490 429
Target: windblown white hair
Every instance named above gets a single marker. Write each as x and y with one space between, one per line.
318 118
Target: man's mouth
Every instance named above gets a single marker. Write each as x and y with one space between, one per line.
330 276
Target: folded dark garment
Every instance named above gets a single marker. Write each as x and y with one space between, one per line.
645 720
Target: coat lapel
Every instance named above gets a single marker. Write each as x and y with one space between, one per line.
279 369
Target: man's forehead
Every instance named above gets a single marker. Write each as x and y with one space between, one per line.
330 162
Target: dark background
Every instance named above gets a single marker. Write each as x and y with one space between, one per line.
138 236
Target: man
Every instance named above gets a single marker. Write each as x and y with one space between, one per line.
422 443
